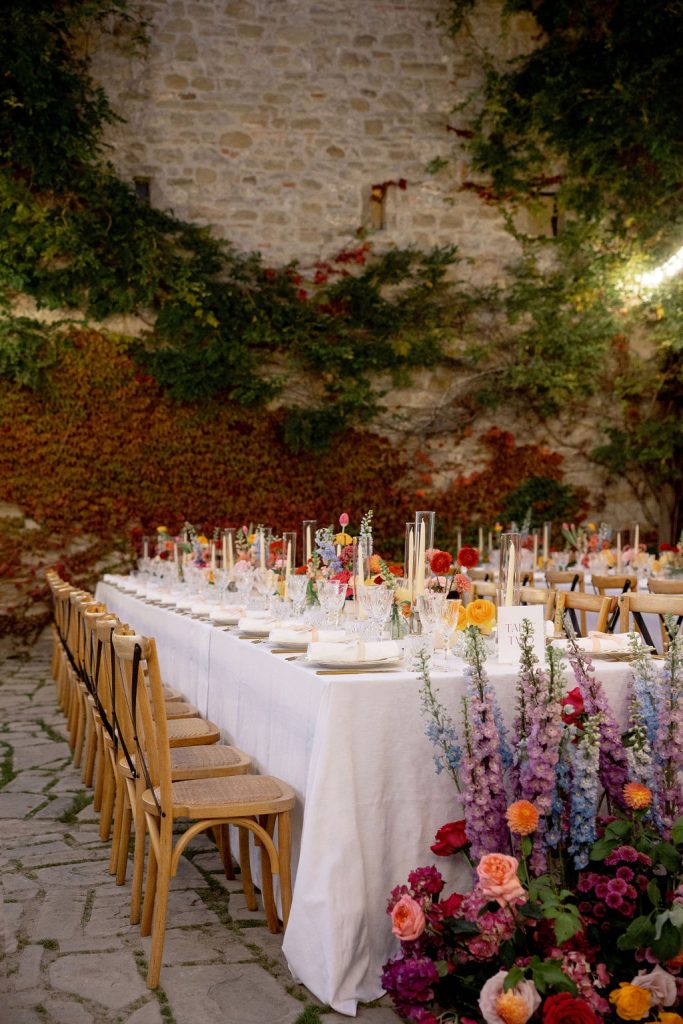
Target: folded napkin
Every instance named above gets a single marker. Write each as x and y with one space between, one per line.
199 607
354 650
601 643
227 614
285 634
183 602
253 623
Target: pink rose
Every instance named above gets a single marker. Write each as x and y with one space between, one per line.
498 878
407 919
523 1000
660 984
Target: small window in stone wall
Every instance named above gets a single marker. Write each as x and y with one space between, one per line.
543 218
376 202
142 188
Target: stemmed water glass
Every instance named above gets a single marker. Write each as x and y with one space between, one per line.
429 606
296 591
265 581
244 581
331 594
378 605
449 615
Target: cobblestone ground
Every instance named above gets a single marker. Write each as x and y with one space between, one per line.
70 955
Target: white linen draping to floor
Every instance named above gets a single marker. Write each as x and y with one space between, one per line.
353 748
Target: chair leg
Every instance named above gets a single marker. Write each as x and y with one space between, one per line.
80 730
245 868
118 824
88 770
124 840
160 910
107 801
284 846
226 852
98 769
268 823
150 893
138 864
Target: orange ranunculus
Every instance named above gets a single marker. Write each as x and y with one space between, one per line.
522 818
481 613
637 797
630 1001
375 564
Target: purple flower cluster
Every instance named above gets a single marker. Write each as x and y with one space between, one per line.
409 981
481 768
613 768
669 743
541 692
604 894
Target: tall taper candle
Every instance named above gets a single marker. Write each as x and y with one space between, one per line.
262 549
509 588
224 547
480 545
619 552
410 568
213 556
546 544
420 569
309 546
535 550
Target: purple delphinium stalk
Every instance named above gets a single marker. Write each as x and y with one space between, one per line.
537 769
481 767
585 757
644 704
669 743
613 766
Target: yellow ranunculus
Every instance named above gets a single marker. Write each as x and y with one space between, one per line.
630 1001
162 529
482 614
251 539
343 539
656 565
202 539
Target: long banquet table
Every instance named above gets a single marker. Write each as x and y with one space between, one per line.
353 748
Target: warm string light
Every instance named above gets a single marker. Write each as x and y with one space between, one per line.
654 278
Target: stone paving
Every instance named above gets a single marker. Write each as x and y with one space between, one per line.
70 955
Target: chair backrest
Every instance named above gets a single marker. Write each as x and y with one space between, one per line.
137 657
575 578
637 605
623 583
487 575
481 588
670 586
537 595
95 662
569 601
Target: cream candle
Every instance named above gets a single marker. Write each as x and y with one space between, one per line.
509 585
619 552
480 543
309 545
410 568
535 550
458 539
213 556
262 549
421 560
490 548
546 544
231 556
224 546
145 548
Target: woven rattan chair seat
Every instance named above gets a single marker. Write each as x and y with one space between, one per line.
205 761
232 796
189 731
181 709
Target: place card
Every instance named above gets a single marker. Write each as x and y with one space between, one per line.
510 618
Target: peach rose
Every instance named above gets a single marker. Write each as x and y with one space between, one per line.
407 919
498 879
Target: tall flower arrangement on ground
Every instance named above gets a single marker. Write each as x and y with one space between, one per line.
575 836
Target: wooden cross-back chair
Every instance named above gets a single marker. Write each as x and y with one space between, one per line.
252 802
568 579
669 586
202 760
538 595
635 606
624 584
568 603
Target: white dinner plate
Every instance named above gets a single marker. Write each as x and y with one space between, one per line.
382 663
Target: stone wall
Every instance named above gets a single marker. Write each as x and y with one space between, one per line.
271 120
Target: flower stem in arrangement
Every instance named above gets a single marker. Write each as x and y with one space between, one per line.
440 730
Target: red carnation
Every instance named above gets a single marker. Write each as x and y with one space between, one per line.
450 838
565 1009
574 700
468 557
440 562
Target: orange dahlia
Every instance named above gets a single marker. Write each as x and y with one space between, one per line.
637 797
522 818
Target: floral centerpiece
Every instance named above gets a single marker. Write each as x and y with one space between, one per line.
450 574
671 558
575 838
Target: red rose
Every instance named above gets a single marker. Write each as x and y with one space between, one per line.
451 906
440 562
573 700
468 557
450 838
301 570
396 570
565 1009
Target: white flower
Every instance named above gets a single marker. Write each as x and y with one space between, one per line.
660 984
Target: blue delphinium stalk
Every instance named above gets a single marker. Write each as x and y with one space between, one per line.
644 703
669 743
585 756
440 729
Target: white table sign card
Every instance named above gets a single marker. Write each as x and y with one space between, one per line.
510 618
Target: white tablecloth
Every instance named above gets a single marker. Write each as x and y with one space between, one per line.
353 748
